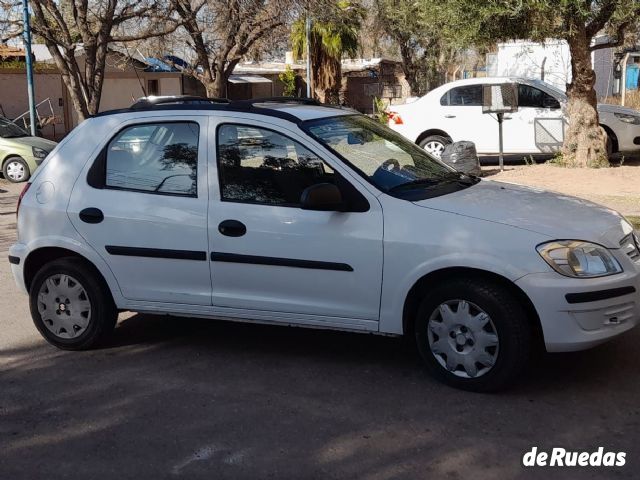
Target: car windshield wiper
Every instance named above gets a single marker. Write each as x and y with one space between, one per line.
428 182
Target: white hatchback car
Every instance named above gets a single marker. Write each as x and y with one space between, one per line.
453 112
293 213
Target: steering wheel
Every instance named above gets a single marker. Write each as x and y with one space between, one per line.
390 165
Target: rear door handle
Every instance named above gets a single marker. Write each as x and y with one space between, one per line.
232 228
449 116
91 215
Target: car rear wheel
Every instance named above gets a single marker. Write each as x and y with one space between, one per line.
16 170
71 305
435 144
473 334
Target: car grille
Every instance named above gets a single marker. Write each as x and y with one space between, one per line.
631 246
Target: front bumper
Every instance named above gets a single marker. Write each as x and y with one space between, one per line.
17 255
574 313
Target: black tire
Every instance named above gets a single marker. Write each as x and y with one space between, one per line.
13 160
103 313
444 141
609 145
509 320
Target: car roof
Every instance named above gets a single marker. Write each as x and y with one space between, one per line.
296 110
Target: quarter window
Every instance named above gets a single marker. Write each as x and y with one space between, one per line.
157 158
257 165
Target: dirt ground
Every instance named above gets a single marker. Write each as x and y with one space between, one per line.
617 187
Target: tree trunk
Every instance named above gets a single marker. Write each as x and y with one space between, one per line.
410 69
585 141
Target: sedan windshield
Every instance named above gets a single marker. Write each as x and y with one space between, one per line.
388 160
11 130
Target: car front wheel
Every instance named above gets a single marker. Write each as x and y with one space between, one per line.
16 170
71 305
473 334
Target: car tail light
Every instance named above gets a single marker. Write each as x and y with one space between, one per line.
394 118
22 194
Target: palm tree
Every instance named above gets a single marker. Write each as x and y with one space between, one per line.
332 36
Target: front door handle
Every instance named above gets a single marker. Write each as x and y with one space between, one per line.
91 215
232 228
449 116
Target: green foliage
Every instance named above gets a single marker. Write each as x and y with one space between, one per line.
334 34
379 110
288 78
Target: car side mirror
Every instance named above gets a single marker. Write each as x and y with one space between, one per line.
322 197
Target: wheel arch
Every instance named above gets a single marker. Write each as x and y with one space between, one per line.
417 291
41 256
9 157
432 131
612 135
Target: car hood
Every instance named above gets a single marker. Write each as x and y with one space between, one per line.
557 216
43 143
605 107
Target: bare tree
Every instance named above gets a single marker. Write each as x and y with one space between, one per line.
222 32
77 34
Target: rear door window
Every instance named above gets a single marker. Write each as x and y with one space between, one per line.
156 158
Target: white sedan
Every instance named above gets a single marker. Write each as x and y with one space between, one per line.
453 112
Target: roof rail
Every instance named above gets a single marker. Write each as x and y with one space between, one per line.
253 101
147 102
181 103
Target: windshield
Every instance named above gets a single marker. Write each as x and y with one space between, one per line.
388 160
11 130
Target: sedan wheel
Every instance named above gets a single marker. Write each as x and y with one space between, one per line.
16 170
435 144
435 148
64 306
71 304
463 338
473 333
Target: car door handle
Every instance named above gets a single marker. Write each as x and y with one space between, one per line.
232 228
449 116
91 215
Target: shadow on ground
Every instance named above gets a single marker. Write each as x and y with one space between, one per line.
173 397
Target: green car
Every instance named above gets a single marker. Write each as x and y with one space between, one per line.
20 153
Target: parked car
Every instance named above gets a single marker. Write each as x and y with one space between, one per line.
453 112
293 213
20 153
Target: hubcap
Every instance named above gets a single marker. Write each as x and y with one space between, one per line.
64 306
434 148
15 170
463 338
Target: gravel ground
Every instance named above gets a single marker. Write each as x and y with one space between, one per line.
617 187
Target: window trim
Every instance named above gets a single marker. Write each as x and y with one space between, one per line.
253 202
97 174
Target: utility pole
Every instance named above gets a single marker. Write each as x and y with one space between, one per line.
27 49
308 42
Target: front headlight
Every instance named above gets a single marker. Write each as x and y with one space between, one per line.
39 153
578 259
627 118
